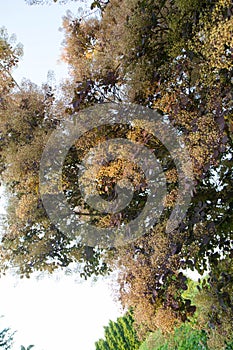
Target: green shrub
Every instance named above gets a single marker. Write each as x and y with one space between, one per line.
183 338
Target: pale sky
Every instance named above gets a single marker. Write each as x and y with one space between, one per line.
37 28
56 313
52 313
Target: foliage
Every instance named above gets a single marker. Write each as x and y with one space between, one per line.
183 338
202 331
214 305
229 346
171 56
170 71
9 58
27 348
30 241
6 339
119 335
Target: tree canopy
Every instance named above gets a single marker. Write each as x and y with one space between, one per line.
119 335
173 57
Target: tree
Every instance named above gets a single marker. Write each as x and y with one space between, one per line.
9 58
6 339
119 335
214 305
31 242
175 57
199 333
